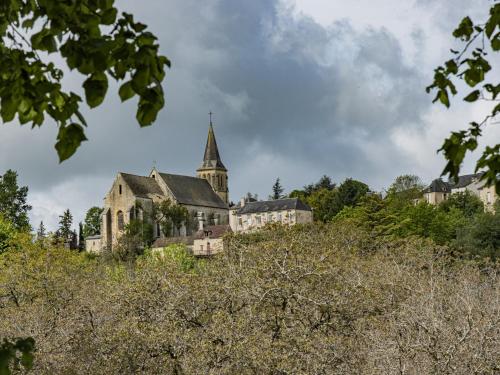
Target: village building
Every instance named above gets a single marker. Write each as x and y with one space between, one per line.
251 215
439 190
132 197
210 240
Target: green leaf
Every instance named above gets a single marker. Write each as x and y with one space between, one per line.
126 91
473 96
146 114
443 98
95 87
109 16
68 140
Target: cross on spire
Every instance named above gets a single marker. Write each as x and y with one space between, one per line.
210 114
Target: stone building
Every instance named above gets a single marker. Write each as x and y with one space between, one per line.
209 240
439 190
132 196
252 215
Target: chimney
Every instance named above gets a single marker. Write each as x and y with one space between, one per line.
201 220
242 202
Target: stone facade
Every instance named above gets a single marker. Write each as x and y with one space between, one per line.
439 190
250 216
132 197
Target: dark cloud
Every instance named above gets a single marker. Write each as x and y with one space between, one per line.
291 98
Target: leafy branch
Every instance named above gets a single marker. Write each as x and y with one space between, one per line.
92 39
471 66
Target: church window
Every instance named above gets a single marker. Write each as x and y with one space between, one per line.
119 217
120 189
158 230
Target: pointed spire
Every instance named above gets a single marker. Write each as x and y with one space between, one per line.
211 159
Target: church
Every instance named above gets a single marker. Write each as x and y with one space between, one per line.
205 196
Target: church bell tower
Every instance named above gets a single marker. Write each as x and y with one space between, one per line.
212 169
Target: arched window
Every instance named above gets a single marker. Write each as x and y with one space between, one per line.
119 220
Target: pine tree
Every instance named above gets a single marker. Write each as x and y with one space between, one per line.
81 238
65 222
41 232
277 190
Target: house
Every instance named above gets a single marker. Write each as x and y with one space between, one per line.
209 240
439 190
251 215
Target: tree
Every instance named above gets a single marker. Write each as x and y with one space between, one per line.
92 225
170 216
41 232
90 37
467 202
81 237
65 222
277 190
350 192
481 237
13 205
7 233
471 66
405 190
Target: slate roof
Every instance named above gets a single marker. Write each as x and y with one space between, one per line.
273 205
217 231
440 186
466 180
211 159
142 186
192 191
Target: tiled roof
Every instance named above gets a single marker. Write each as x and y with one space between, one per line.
192 191
142 186
273 205
215 231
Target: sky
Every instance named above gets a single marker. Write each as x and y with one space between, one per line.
299 89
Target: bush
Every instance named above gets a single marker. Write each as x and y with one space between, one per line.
323 299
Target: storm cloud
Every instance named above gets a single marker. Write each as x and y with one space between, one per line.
292 97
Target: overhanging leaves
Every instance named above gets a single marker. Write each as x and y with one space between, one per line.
93 39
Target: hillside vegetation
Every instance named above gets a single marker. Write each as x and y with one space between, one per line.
321 299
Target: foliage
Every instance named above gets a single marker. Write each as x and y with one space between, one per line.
13 201
327 200
170 216
405 190
471 66
41 232
16 354
81 238
481 237
7 234
468 203
277 190
93 39
316 299
92 226
65 222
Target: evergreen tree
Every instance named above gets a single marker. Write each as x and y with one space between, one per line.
277 190
65 222
41 232
73 242
13 206
81 238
